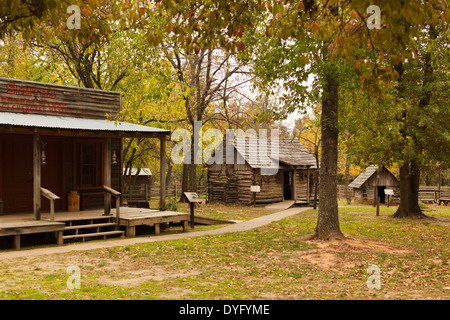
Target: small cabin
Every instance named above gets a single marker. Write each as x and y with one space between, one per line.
372 183
250 179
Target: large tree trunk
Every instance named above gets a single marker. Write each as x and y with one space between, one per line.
328 220
409 193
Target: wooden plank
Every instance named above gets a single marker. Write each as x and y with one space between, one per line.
94 234
48 194
111 190
7 231
85 226
152 220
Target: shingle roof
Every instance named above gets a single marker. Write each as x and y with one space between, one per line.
284 151
363 177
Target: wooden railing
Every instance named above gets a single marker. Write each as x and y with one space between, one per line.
52 197
116 194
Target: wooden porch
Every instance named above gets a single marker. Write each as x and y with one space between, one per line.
87 224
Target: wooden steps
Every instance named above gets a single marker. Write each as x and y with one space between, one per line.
103 234
85 226
91 228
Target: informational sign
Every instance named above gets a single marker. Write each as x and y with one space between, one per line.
193 197
255 188
389 192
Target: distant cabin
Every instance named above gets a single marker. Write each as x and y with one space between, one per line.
137 184
137 177
292 178
373 182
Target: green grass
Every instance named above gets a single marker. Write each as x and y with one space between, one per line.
271 262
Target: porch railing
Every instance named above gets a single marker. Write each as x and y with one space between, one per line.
52 197
116 194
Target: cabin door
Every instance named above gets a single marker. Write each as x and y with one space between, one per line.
381 194
287 185
17 173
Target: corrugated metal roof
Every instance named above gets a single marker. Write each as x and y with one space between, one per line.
70 123
363 177
142 171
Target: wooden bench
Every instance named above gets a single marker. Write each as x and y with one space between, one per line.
444 200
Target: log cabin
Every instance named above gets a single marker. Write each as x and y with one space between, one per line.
63 139
372 183
289 177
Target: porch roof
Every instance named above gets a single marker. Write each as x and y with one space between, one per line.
78 124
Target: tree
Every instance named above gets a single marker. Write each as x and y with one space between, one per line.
341 34
407 123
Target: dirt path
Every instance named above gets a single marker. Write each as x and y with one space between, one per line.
238 227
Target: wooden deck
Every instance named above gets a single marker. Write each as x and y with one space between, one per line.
23 223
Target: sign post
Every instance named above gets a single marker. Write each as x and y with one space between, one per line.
193 198
254 189
389 193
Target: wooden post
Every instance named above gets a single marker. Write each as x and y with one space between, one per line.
294 189
378 206
118 201
375 193
307 186
59 238
439 185
16 242
131 231
253 183
191 205
107 175
162 183
52 210
36 177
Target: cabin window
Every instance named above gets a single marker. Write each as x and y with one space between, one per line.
88 156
